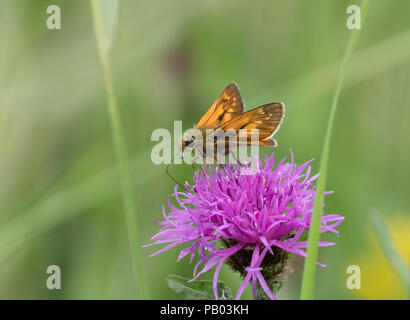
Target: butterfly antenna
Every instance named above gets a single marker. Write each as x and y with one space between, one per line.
170 175
175 180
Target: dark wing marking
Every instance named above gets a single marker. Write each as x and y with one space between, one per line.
266 119
228 106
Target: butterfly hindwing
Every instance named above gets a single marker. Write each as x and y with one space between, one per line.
228 106
267 119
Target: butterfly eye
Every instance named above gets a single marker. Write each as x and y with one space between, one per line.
188 142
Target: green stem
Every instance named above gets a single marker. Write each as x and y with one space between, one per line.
120 151
390 250
308 282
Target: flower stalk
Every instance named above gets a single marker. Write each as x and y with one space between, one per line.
120 150
308 282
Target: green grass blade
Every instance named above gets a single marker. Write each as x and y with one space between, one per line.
390 251
120 149
308 282
109 12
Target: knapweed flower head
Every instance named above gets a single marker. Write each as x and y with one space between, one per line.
252 222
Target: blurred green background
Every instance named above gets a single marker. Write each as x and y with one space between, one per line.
59 192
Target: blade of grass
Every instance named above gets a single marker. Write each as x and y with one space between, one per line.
109 10
390 251
308 281
120 149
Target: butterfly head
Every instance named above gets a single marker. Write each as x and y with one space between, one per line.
188 140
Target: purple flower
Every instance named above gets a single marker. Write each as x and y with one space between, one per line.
251 222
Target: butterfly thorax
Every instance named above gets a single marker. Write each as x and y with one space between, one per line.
208 142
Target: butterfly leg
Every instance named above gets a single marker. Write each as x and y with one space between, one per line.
236 159
203 168
222 166
203 172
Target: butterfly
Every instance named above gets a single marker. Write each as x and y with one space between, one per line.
226 114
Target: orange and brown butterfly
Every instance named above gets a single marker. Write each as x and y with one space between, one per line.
227 114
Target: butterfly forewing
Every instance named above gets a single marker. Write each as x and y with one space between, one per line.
266 119
229 105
